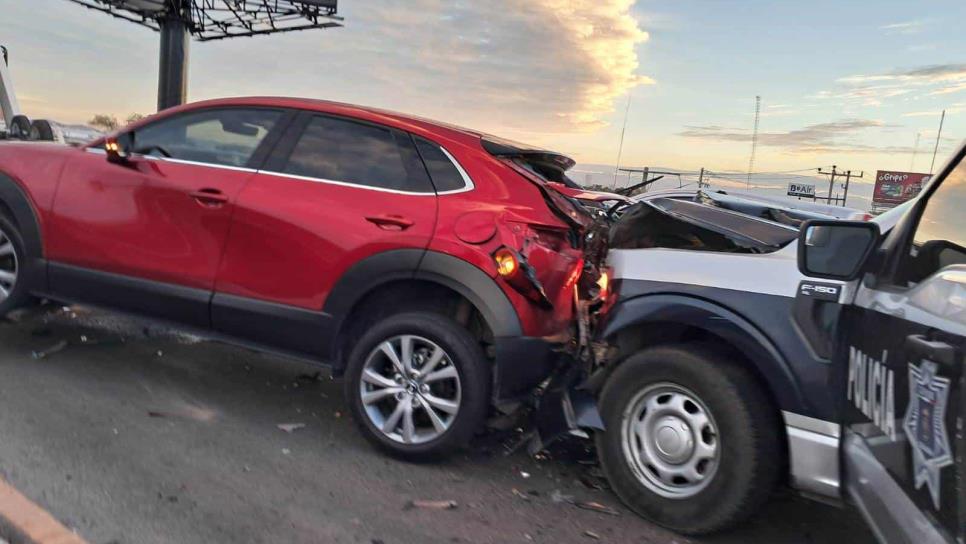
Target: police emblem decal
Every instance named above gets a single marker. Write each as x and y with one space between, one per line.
925 426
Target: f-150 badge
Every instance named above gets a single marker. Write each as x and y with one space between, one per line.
925 425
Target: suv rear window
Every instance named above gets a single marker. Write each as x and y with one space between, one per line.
339 150
445 175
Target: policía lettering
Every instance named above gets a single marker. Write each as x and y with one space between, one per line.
871 388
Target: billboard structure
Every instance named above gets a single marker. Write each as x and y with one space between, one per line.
206 20
894 188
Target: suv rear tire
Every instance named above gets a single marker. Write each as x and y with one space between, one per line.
692 442
417 384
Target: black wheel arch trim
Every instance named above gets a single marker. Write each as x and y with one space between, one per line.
722 322
418 264
479 288
25 216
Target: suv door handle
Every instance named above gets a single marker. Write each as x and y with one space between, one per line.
934 350
390 222
209 197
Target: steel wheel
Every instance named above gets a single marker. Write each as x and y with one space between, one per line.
670 440
410 389
8 266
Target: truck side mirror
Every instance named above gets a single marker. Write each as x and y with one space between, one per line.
836 250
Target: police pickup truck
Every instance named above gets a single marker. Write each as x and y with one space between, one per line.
730 371
898 357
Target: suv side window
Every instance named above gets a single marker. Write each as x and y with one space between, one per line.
443 171
225 136
940 237
344 151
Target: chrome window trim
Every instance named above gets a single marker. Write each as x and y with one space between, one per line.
344 183
99 151
468 184
196 163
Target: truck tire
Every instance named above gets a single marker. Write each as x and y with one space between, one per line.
692 441
418 385
41 130
13 289
19 128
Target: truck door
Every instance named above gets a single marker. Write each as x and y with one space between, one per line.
899 374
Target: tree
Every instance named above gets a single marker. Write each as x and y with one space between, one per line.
133 118
107 123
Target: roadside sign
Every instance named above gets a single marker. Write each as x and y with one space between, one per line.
894 188
801 189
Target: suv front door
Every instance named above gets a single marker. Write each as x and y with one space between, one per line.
147 236
899 372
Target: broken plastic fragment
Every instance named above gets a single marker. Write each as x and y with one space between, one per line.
44 353
290 427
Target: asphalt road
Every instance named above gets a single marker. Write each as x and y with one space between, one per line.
135 435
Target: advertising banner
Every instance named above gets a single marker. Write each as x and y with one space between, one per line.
806 190
894 188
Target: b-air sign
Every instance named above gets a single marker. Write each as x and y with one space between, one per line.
801 189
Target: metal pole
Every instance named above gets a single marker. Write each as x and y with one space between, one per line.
938 134
831 185
701 179
845 197
620 146
173 73
9 107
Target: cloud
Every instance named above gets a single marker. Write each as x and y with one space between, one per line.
906 27
821 137
873 89
533 65
958 107
523 68
958 87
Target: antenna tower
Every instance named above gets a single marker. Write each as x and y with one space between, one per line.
754 139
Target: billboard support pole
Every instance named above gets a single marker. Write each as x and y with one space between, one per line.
173 71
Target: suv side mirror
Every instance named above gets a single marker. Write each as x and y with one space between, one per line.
118 148
836 250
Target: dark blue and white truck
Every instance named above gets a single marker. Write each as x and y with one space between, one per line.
729 372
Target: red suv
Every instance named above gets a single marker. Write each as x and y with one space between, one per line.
433 266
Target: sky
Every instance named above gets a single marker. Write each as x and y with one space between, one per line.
843 83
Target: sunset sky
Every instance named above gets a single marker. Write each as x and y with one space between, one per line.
849 83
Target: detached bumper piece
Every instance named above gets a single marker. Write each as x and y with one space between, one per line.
565 407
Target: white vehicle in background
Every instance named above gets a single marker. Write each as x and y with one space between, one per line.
15 125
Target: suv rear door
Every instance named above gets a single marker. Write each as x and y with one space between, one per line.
335 191
899 368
